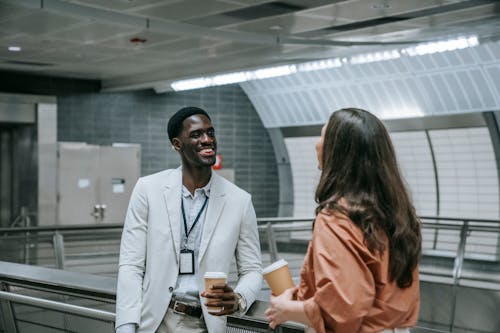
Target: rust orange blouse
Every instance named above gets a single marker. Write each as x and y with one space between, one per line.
346 288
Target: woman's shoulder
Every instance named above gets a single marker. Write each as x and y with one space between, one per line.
338 223
338 229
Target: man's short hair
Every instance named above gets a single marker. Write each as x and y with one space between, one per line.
174 127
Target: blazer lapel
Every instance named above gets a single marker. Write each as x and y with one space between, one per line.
216 203
172 195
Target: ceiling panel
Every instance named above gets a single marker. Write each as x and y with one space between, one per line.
283 24
32 46
188 9
37 23
176 39
186 45
8 11
255 11
76 55
91 33
124 5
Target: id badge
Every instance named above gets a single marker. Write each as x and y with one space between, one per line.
186 262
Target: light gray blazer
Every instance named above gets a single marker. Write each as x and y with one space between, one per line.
149 251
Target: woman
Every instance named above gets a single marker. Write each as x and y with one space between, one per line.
360 273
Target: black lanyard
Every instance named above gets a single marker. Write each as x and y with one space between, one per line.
195 220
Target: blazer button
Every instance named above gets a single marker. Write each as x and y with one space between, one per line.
170 289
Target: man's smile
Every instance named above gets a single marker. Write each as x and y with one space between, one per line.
207 152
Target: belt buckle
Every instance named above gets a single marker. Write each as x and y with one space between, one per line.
175 308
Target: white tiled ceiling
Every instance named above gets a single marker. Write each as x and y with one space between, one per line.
87 39
458 81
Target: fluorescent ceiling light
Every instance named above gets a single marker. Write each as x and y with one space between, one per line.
191 84
265 73
230 78
236 77
14 48
441 46
376 56
320 64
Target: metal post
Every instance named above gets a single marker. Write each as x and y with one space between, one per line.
457 270
436 182
7 314
271 240
58 243
27 223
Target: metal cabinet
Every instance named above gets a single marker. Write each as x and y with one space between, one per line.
95 182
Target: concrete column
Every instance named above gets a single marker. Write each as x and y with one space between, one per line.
285 208
47 163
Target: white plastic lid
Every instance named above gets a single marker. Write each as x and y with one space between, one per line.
274 266
215 275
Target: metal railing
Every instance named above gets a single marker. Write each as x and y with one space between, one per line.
58 306
450 241
31 289
455 239
36 298
54 246
60 246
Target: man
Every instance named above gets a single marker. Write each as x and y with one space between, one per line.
180 224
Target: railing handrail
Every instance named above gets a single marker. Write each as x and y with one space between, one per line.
45 278
459 226
59 306
459 219
260 221
52 228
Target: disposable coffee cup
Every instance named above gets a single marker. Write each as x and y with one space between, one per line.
278 277
212 278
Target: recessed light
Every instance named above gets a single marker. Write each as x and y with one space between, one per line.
380 6
14 48
275 28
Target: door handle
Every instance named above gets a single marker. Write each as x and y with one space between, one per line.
98 212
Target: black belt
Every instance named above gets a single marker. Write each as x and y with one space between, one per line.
190 310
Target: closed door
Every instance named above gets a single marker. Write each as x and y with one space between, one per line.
77 182
118 172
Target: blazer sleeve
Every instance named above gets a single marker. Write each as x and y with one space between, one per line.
345 288
132 258
248 259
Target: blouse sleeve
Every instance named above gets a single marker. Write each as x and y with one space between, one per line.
345 288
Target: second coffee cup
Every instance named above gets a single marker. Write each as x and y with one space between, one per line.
278 277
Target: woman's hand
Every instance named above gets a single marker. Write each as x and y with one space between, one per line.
278 313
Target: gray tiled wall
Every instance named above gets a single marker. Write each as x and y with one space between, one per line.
141 117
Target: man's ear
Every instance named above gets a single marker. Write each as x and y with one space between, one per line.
176 143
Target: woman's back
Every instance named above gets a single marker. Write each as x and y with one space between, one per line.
346 287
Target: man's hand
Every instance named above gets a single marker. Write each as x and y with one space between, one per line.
221 295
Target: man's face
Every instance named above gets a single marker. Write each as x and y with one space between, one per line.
196 143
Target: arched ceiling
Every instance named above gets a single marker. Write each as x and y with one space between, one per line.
459 81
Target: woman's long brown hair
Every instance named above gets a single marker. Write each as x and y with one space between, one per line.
359 165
